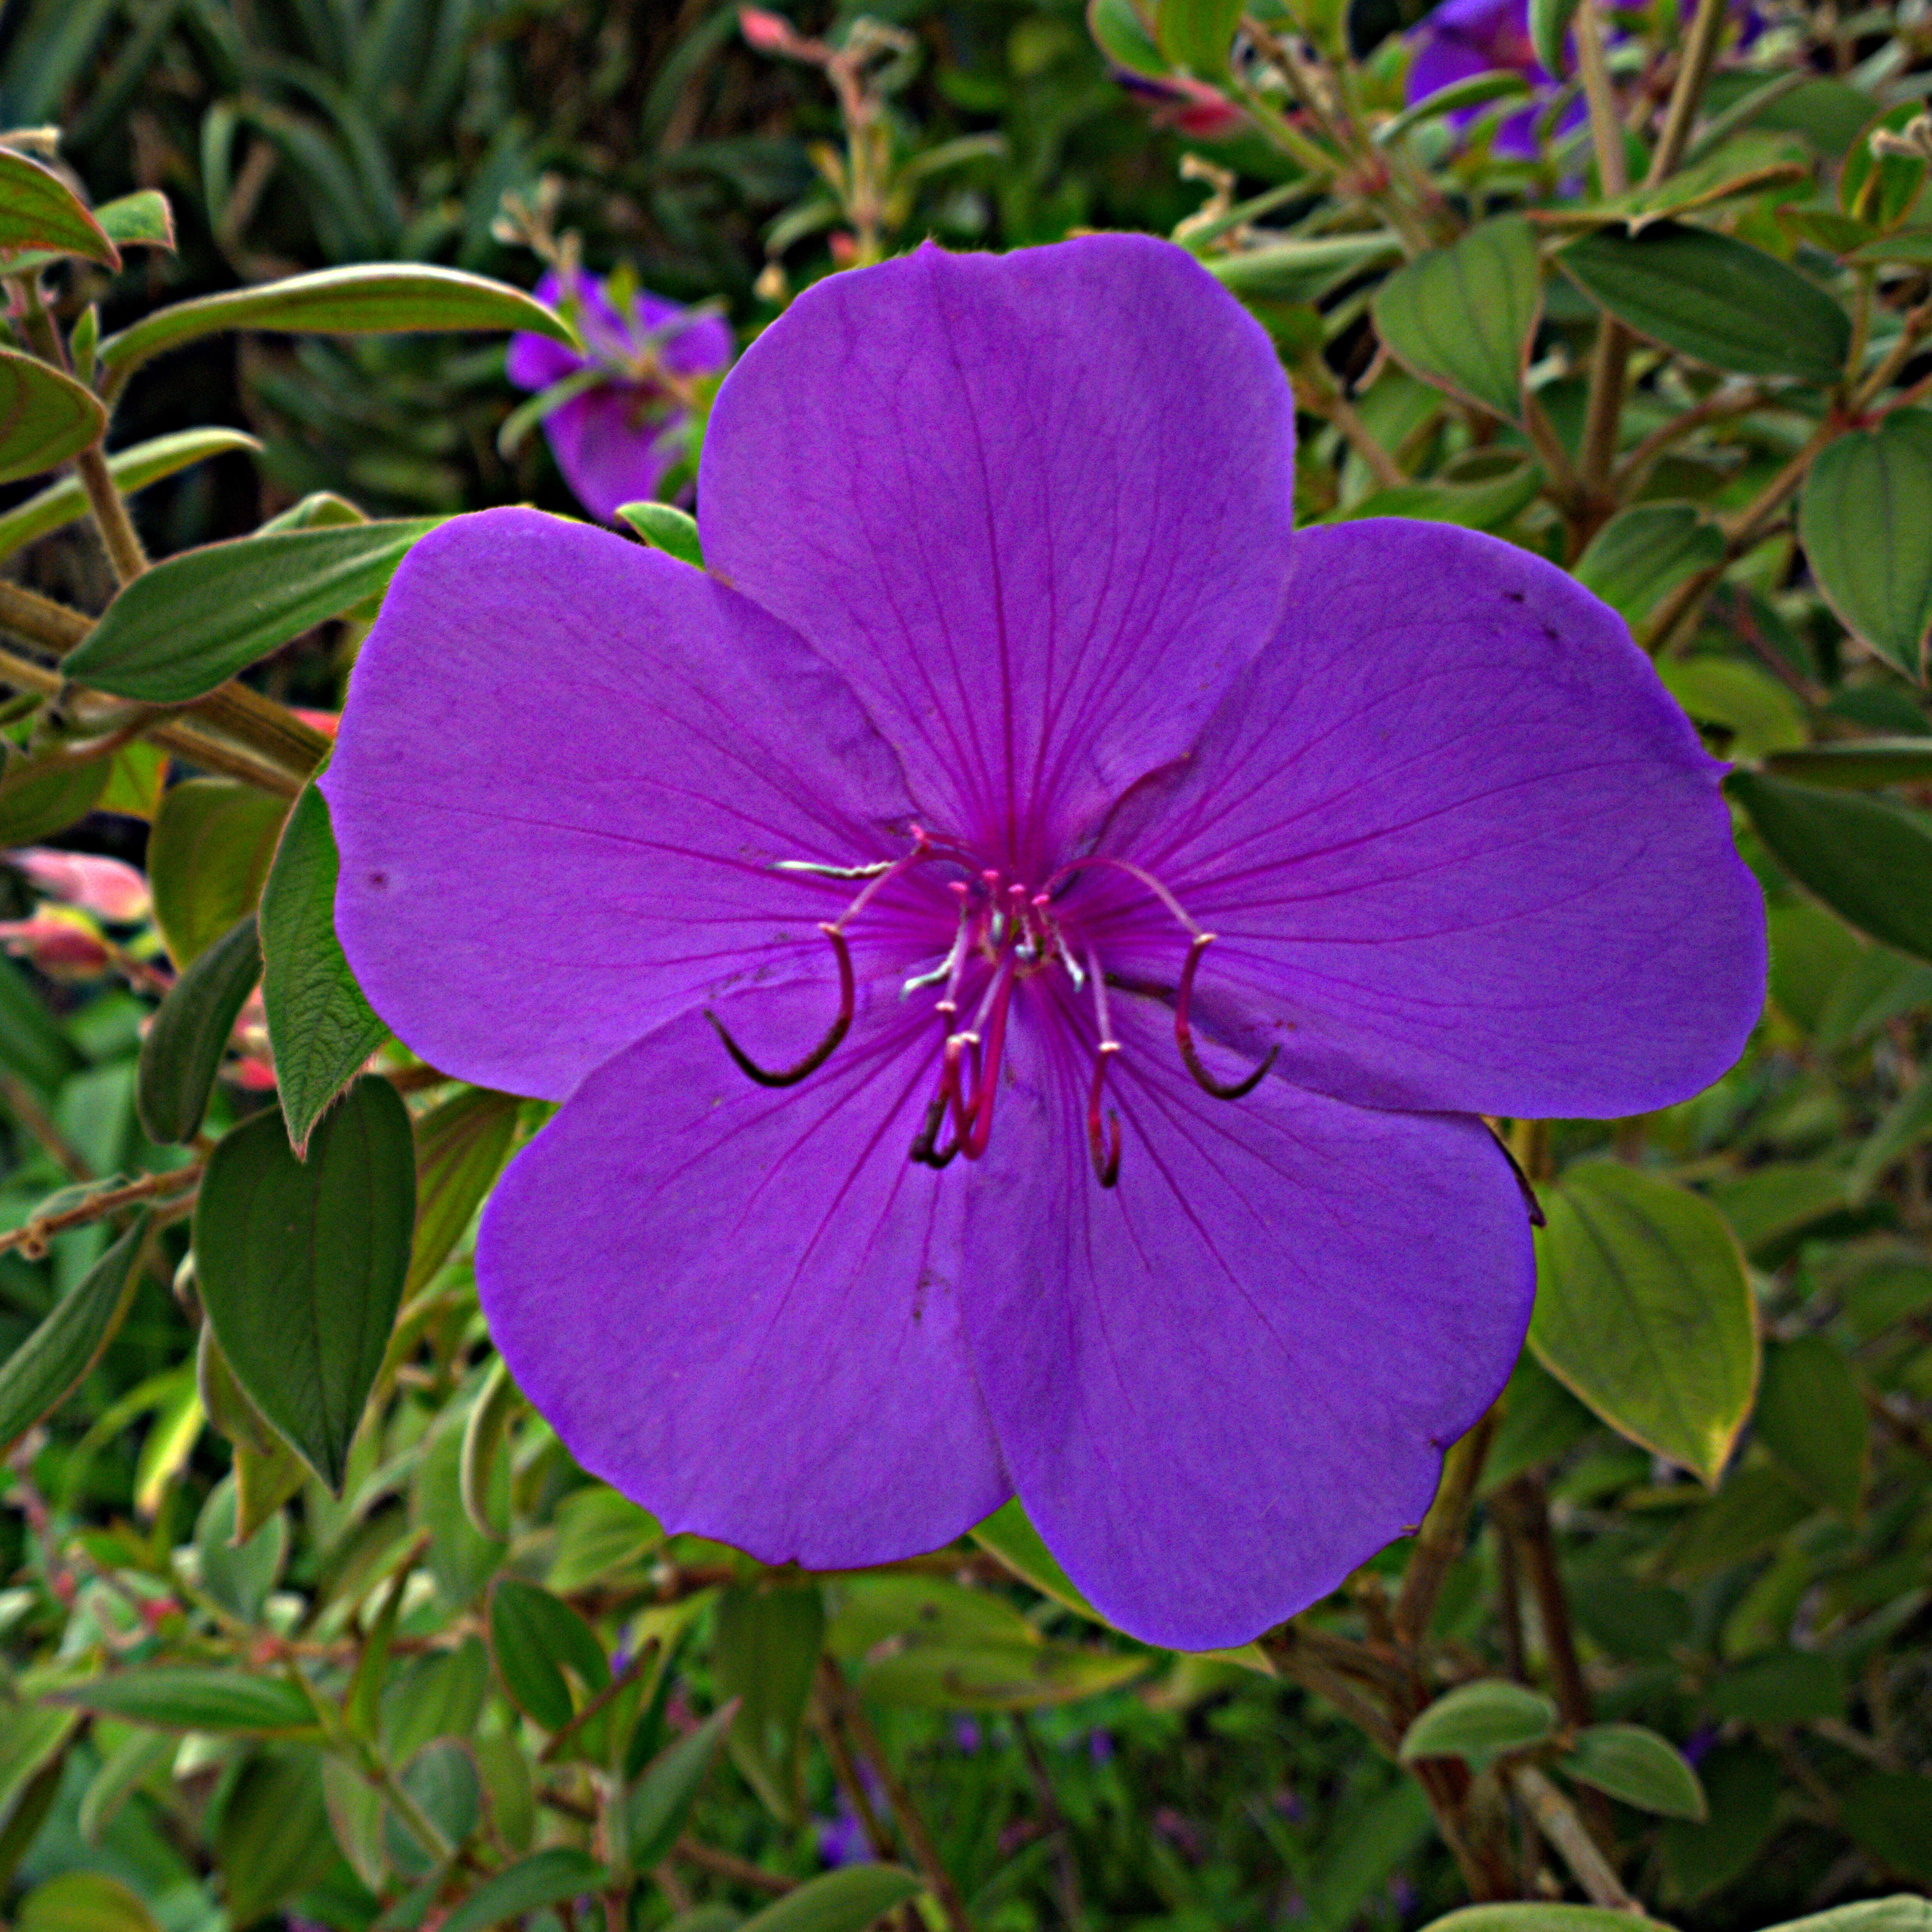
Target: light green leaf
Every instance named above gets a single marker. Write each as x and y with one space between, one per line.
238 1574
1637 1766
1462 317
1486 490
1542 1916
1714 299
847 1901
192 1697
1479 90
1479 1723
1010 1535
1760 714
1549 28
38 210
1300 268
301 1266
212 845
991 1675
1642 1309
371 298
460 1145
1196 35
765 1652
1903 1912
544 1878
192 622
184 1046
662 1798
1122 35
535 1637
45 417
133 469
82 1901
1869 860
1865 520
320 1026
665 527
47 1366
1645 552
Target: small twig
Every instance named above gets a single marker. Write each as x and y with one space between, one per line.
34 1235
1322 396
1066 1868
117 534
1557 1819
29 614
24 1104
740 1871
1699 50
1439 1542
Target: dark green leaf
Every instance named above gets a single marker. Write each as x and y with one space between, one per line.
39 795
273 1837
1869 860
1462 317
38 210
765 1653
1479 1723
840 1901
535 1637
545 1878
40 1373
1742 1784
1889 1813
1857 764
1810 1417
1121 35
1754 1511
1645 551
1714 299
662 1798
665 527
1901 1128
1784 1687
133 469
1643 1310
371 298
212 845
1637 1766
45 417
30 1045
238 1574
301 1266
320 1026
189 1697
1865 520
183 1051
192 622
460 1145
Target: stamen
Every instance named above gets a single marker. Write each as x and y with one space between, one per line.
1133 871
979 1119
1183 1034
841 1024
1106 1154
876 869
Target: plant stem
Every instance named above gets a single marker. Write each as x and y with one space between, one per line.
1607 126
110 515
27 614
1557 1819
1439 1542
1526 1515
1699 50
740 1871
37 1229
1321 395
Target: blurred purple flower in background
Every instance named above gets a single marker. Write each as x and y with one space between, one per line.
615 439
1462 38
1011 708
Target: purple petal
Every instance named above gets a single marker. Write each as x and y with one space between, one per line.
535 361
1036 507
1224 1383
1462 849
614 444
738 1305
567 769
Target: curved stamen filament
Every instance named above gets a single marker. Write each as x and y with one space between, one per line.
1183 1034
790 1076
1141 875
1105 1149
980 1115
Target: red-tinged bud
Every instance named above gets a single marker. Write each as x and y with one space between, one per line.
105 887
61 941
324 721
844 247
769 33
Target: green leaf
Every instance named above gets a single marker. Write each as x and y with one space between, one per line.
45 417
1903 1912
1713 299
1122 35
545 1878
272 1839
47 1366
1785 1686
1479 1723
301 1266
1646 551
1765 1205
238 1574
1549 28
896 1611
460 1145
320 1026
1742 1783
598 1533
1877 191
1197 34
38 210
133 469
1759 714
1462 317
40 796
1865 521
1542 1917
142 219
1889 1814
1879 985
765 1651
191 1697
1637 1766
1300 268
535 1637
191 622
1479 90
1869 860
1857 764
847 1901
82 1901
1642 1309
1810 1417
992 1675
662 1798
1902 1127
184 1048
1486 490
1754 1511
371 298
462 1559
665 527
1009 1533
212 845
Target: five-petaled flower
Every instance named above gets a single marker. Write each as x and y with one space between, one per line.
616 437
1117 916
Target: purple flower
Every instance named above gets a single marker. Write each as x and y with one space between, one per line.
1462 38
1177 897
615 441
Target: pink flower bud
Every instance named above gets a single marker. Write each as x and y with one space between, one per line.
61 941
768 33
103 886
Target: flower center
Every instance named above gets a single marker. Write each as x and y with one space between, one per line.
1006 931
